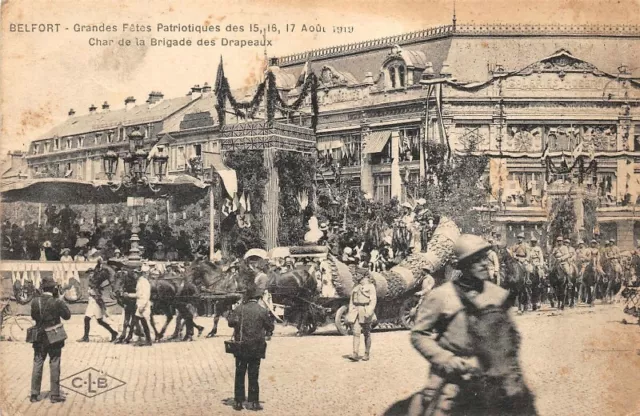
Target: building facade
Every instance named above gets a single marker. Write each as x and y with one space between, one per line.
517 93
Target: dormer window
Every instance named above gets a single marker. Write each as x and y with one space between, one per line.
56 144
96 139
80 141
109 137
35 149
397 73
68 143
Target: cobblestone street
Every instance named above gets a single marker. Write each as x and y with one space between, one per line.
580 362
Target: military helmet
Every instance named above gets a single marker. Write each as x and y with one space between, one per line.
468 245
594 241
612 241
580 241
534 239
559 239
521 235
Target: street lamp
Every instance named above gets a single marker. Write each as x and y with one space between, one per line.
160 164
110 164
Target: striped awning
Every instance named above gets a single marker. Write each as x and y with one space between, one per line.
376 141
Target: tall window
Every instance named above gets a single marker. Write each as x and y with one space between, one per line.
197 149
36 148
80 141
68 143
401 76
409 144
636 138
56 144
382 188
392 77
181 160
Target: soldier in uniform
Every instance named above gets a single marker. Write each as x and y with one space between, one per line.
572 251
583 256
361 315
493 257
520 249
536 257
444 314
613 255
562 256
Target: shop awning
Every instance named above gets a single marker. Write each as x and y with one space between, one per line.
376 141
228 175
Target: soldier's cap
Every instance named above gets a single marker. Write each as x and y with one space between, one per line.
521 235
594 241
468 246
559 239
612 241
533 239
580 242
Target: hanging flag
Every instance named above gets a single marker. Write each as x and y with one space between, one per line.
578 150
227 207
243 203
236 203
545 152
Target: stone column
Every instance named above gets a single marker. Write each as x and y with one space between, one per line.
366 175
271 201
396 180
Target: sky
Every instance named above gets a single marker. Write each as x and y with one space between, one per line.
43 75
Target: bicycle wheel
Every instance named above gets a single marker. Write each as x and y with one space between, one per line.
18 328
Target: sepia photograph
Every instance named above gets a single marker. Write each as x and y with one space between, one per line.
363 208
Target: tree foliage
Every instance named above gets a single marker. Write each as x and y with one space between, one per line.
453 188
296 173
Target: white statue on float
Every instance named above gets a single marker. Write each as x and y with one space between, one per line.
314 234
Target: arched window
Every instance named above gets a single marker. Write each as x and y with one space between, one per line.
392 76
401 76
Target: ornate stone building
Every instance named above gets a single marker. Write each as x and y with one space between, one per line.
513 92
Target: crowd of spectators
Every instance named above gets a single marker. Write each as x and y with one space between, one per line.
62 237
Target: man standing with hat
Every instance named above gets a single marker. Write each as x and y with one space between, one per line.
536 256
493 257
47 310
251 323
361 314
143 303
445 313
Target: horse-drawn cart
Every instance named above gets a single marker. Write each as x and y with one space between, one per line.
397 289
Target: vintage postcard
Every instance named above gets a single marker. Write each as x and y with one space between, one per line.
365 208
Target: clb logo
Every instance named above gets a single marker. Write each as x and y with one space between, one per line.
91 382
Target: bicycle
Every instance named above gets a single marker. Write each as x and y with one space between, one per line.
13 325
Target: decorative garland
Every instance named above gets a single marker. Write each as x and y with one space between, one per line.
310 86
564 169
296 173
223 93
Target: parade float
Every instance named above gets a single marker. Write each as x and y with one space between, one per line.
397 288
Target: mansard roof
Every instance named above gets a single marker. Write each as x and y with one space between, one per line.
471 51
99 121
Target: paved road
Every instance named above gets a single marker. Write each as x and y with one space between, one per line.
580 362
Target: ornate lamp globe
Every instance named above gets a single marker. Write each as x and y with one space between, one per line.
137 138
110 163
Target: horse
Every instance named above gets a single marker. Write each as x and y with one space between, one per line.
498 388
210 278
518 280
563 282
166 294
588 280
611 282
296 288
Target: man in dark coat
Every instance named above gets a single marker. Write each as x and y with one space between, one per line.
47 310
251 323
